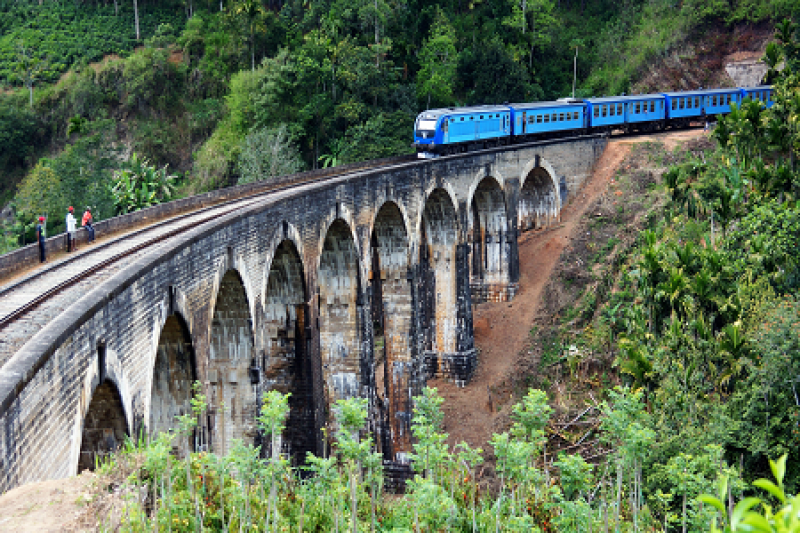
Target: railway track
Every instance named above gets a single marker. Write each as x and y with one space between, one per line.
29 303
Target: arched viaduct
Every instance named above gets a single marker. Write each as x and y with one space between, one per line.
358 286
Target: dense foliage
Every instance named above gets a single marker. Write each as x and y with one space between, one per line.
702 321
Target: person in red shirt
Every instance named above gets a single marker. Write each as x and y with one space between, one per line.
86 222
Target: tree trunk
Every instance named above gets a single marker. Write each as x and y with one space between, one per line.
136 18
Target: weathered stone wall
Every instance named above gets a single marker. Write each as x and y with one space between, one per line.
284 286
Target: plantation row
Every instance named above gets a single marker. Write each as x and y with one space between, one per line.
50 41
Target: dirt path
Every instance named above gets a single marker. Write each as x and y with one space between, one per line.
502 330
48 506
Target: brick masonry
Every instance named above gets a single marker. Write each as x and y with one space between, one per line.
282 295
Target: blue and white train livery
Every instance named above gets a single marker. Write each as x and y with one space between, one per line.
451 130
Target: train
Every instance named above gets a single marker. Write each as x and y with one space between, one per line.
447 131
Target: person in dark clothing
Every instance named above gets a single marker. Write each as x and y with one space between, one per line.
40 236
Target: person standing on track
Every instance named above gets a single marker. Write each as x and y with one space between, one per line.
40 237
71 231
86 222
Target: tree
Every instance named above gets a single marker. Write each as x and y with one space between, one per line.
534 18
29 68
136 19
438 60
487 73
41 194
267 153
252 12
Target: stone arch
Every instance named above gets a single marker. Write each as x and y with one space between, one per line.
174 371
490 239
342 213
231 262
286 361
104 425
539 197
438 259
392 319
231 395
339 286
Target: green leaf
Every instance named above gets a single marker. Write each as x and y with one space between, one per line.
770 487
713 501
741 510
778 469
757 523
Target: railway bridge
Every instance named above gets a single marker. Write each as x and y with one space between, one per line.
360 284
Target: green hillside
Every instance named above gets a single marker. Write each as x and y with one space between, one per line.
686 293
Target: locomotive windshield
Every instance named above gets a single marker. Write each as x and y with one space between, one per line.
426 128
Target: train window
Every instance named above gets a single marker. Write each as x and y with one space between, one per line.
681 103
596 112
546 119
612 110
605 110
539 119
555 117
638 107
530 119
652 106
713 100
674 104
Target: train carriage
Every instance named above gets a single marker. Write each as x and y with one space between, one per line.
762 93
712 102
548 118
644 112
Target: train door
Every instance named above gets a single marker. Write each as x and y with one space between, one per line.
446 129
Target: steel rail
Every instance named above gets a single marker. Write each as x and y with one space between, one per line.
36 301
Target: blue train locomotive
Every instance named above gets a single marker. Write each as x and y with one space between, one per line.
452 130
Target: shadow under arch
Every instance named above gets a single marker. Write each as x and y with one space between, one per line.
491 245
438 258
232 397
392 325
339 283
539 200
105 425
174 371
287 363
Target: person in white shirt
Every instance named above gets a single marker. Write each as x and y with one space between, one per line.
71 244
